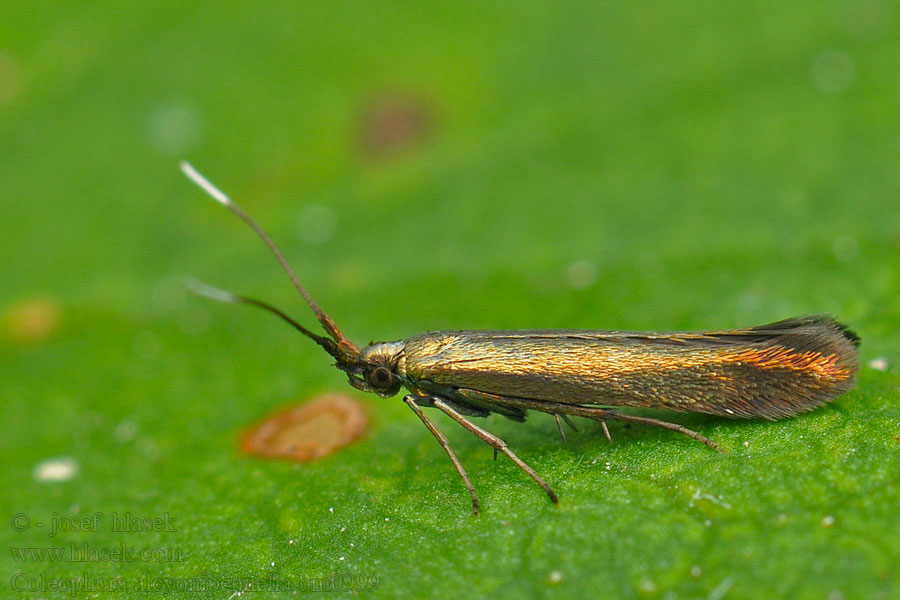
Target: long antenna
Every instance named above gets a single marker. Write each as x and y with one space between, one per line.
219 196
220 295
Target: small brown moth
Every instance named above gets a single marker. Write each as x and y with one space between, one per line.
770 371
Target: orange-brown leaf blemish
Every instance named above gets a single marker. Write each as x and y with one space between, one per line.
394 122
31 321
309 431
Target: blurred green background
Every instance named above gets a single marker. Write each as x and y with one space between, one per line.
682 165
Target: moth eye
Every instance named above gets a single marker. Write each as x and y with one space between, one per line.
380 377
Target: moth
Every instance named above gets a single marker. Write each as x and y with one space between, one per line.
767 372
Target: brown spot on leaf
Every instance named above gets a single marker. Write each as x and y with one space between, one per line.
394 122
32 320
308 431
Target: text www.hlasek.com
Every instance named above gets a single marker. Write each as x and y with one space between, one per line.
85 553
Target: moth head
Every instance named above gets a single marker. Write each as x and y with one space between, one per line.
377 369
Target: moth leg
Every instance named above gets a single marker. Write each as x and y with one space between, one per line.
606 431
611 414
496 443
442 440
560 427
568 421
564 417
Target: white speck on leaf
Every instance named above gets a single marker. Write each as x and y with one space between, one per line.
63 468
700 495
879 364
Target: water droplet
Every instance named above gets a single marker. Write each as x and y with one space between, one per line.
833 71
647 586
316 223
845 248
581 274
124 431
174 129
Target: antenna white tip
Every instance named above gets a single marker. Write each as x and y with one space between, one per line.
205 184
213 293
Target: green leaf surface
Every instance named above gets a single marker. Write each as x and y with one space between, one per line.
609 166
